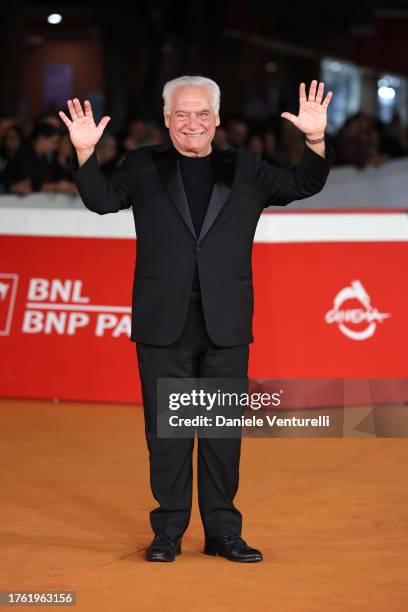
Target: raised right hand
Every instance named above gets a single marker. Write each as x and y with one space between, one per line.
83 131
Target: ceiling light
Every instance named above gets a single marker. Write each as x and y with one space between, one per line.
54 18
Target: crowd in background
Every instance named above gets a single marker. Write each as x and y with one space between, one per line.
37 157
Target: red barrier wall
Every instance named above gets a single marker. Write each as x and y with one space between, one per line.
322 310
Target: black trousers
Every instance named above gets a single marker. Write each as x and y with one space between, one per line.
171 472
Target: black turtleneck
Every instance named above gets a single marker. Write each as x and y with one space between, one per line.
198 179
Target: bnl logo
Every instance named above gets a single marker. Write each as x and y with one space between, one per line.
8 291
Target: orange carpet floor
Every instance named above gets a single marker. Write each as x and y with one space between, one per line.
330 515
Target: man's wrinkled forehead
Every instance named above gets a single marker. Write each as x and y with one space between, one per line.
191 98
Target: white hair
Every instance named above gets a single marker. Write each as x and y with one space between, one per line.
191 81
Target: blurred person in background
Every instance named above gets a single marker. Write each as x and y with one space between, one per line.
221 138
107 153
271 154
358 142
6 122
156 135
351 146
49 116
292 144
60 165
394 139
137 133
255 144
376 155
237 131
30 170
11 144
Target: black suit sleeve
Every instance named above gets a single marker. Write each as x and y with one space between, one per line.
280 186
99 193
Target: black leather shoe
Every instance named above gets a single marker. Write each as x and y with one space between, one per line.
163 548
234 548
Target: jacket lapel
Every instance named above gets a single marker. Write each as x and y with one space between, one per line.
168 166
224 173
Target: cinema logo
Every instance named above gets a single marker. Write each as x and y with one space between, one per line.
359 320
8 291
58 306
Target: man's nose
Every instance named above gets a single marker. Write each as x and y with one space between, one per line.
193 123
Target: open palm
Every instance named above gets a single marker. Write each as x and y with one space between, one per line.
312 117
83 131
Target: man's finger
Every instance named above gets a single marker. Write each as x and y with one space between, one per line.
302 93
88 109
72 110
103 122
327 99
290 117
319 95
78 108
312 91
65 119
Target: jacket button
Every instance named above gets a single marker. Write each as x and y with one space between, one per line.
199 249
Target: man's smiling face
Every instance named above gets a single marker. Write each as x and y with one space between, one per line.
191 120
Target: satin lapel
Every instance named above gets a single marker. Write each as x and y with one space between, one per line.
224 175
224 171
168 167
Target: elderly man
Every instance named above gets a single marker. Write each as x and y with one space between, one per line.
195 208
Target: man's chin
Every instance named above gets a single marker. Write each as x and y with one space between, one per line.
192 144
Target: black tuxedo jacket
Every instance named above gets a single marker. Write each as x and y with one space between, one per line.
149 181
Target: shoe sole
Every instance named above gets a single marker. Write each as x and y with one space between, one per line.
161 560
217 554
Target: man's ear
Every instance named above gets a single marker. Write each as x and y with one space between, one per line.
217 120
166 120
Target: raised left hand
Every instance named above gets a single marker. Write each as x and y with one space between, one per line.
312 117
